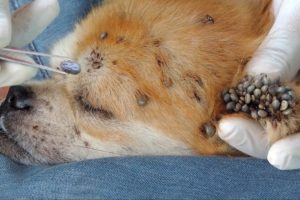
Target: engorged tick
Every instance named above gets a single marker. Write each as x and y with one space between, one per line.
103 35
208 20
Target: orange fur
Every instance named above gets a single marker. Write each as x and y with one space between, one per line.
169 40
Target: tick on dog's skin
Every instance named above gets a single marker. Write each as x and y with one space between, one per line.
208 20
156 43
160 62
197 97
141 99
199 81
196 78
70 67
103 35
86 144
120 39
208 129
95 59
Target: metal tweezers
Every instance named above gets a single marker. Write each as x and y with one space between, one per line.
8 58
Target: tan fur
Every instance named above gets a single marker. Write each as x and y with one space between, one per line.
278 129
168 53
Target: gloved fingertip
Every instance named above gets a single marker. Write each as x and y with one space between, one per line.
230 125
15 74
258 67
279 159
285 154
225 128
3 92
5 34
45 5
245 135
4 42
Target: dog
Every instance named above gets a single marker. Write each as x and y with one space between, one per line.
151 79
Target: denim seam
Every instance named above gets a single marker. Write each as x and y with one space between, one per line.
15 4
38 59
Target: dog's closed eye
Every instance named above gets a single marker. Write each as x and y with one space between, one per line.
87 107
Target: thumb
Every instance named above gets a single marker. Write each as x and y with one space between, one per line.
5 24
245 135
15 74
278 55
285 153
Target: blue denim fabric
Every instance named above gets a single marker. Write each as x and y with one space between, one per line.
150 178
140 177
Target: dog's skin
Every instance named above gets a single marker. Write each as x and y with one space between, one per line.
152 75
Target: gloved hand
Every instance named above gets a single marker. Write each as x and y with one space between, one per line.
278 56
20 29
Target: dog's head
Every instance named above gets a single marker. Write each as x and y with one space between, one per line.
150 83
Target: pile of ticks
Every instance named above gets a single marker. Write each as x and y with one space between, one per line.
260 97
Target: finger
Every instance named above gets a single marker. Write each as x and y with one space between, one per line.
276 6
285 154
278 54
3 93
245 135
5 23
15 74
29 21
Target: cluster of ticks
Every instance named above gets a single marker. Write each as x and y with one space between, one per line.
261 97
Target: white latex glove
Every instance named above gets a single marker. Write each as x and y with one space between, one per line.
278 56
20 29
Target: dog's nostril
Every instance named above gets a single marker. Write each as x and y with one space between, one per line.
19 98
19 103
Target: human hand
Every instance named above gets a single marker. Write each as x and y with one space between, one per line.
278 56
20 29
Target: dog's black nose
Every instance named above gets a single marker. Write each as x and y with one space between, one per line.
19 98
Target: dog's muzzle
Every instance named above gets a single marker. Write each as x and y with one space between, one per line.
18 98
